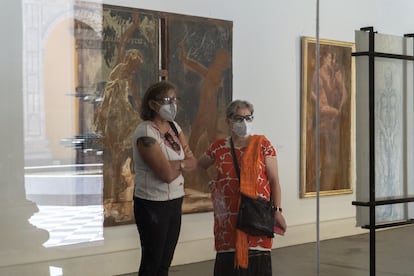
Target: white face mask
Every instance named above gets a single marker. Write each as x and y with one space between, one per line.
168 111
242 129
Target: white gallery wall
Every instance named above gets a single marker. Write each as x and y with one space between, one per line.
266 71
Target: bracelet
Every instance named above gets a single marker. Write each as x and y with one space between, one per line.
278 209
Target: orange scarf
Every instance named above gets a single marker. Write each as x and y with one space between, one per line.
249 171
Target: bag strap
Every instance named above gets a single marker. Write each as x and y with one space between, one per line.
174 128
233 154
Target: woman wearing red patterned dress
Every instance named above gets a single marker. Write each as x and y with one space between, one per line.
237 252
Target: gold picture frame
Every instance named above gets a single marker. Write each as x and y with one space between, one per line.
336 117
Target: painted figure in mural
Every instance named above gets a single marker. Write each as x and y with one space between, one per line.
161 154
237 252
119 80
122 71
333 96
115 119
117 115
388 133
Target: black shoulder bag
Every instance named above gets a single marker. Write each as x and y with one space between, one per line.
256 216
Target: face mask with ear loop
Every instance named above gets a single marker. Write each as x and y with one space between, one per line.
168 111
243 128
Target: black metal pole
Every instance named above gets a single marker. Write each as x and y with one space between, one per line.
371 79
372 222
407 106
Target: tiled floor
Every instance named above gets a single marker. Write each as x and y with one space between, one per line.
70 224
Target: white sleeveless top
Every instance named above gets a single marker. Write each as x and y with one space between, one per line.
147 184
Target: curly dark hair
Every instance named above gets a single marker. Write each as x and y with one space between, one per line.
152 93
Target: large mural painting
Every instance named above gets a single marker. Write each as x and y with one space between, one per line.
115 66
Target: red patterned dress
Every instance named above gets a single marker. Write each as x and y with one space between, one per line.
225 192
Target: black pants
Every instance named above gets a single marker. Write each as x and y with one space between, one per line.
260 264
158 224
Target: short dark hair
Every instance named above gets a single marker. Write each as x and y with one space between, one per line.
152 93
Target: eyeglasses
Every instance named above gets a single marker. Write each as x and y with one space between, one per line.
171 141
167 100
240 118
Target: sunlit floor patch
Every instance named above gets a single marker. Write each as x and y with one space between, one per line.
70 224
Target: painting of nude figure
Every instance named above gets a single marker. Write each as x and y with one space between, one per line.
335 121
133 51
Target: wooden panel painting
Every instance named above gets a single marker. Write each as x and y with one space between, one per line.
336 119
200 54
115 67
130 43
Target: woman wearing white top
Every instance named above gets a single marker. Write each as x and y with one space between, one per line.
161 154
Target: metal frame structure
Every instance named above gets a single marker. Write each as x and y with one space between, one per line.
372 203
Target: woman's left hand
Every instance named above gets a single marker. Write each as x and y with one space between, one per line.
280 221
